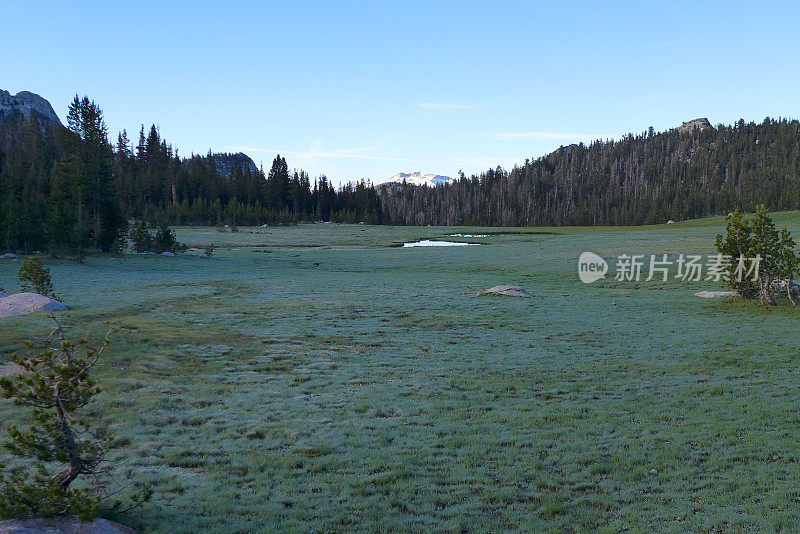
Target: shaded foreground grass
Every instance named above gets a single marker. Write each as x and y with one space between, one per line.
315 378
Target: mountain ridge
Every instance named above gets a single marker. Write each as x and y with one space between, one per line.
690 171
26 102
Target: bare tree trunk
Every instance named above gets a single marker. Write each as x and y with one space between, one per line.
766 294
66 477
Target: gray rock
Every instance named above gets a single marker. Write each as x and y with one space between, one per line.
25 303
26 103
10 369
168 254
62 525
8 256
225 163
509 291
699 124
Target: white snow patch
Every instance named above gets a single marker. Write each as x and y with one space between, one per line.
469 235
429 243
715 294
417 178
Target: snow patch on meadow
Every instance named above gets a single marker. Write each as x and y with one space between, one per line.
715 294
429 243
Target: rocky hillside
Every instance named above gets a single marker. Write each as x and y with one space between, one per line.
26 103
225 163
691 171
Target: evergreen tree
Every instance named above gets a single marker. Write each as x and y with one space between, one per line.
140 237
60 445
278 183
85 198
777 263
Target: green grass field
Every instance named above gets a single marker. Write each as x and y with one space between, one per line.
319 378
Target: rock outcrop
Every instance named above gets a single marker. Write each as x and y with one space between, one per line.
26 103
699 124
25 303
62 525
11 368
225 163
509 291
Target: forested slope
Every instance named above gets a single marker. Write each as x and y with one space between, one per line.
647 178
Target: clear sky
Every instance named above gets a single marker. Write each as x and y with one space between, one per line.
368 89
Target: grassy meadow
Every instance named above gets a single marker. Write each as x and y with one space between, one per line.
320 378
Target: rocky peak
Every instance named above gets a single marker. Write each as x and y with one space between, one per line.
700 124
26 103
225 163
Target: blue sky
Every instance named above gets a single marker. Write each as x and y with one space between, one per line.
367 89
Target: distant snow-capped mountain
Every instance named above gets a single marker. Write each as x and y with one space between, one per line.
417 178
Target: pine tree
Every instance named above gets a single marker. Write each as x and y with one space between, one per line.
86 174
60 445
777 263
278 183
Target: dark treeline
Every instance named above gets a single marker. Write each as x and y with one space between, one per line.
68 188
153 182
643 179
56 185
